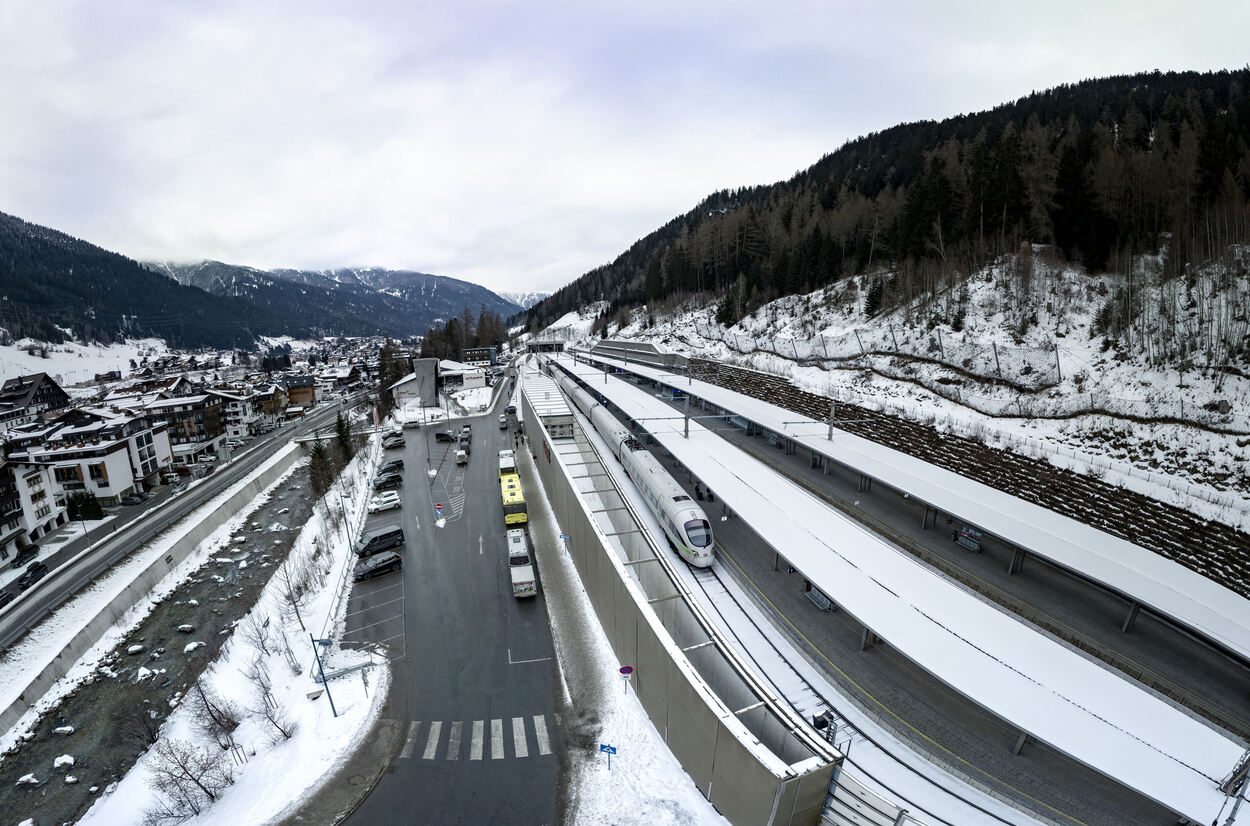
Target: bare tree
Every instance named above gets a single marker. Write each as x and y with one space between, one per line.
267 706
141 726
215 717
187 778
255 631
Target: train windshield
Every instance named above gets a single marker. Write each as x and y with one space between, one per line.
700 533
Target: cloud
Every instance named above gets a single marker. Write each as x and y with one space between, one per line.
514 144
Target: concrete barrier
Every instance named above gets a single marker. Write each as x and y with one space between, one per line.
193 532
746 751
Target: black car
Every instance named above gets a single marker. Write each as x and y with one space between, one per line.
6 597
132 499
388 481
382 563
34 572
444 436
24 555
393 466
511 409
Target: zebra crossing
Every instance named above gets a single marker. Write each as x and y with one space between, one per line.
494 739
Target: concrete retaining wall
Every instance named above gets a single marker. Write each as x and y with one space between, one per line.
192 534
745 759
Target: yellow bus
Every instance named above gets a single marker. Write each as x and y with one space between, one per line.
513 500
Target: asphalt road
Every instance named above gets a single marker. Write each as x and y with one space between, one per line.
134 526
477 695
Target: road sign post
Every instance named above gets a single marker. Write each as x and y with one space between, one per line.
626 672
438 509
609 751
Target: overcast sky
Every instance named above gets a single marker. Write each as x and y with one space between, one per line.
515 144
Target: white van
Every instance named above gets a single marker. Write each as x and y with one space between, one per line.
520 566
462 458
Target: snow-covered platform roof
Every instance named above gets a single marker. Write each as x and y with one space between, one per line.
1167 587
1057 696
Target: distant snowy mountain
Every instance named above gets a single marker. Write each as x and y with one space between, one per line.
345 301
524 300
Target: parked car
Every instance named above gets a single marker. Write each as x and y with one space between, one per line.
512 409
393 441
393 466
6 597
384 502
444 436
383 563
35 571
382 539
180 487
503 421
388 481
132 499
24 555
462 457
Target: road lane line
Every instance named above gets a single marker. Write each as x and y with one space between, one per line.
453 742
519 745
475 745
431 742
411 742
496 739
540 734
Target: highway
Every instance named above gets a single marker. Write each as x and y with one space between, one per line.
134 526
477 695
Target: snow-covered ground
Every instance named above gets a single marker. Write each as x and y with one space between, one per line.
276 771
71 362
645 785
1187 466
474 400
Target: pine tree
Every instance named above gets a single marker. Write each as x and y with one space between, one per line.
343 439
320 469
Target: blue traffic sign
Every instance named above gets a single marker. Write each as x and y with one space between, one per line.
565 536
609 749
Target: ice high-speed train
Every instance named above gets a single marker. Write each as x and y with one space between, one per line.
682 520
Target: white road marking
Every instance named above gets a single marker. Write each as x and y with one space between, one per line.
475 745
453 742
411 742
496 739
518 737
540 734
523 662
479 545
431 742
417 519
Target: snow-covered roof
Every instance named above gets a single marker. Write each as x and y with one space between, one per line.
177 401
405 379
1165 586
544 394
1075 705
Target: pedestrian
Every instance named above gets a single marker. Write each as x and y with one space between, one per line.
698 492
710 497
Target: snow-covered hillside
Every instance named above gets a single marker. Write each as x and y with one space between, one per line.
72 363
1023 373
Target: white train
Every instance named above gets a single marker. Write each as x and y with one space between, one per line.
680 517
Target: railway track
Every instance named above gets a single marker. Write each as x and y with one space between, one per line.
769 659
